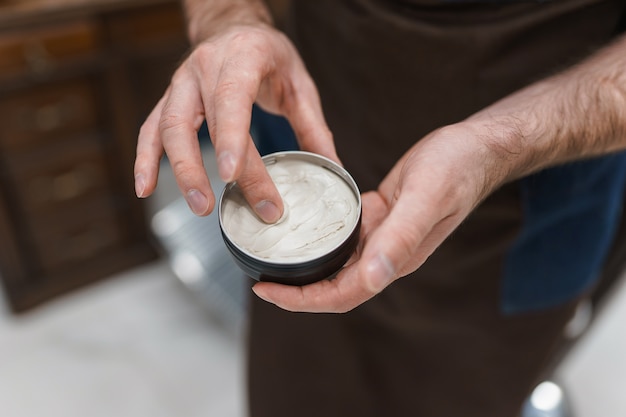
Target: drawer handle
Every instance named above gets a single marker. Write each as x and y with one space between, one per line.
50 117
77 245
37 57
65 186
88 242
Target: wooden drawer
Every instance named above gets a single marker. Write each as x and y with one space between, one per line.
71 77
57 177
75 236
40 115
160 26
36 51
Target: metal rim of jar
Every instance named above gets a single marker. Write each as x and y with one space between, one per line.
307 157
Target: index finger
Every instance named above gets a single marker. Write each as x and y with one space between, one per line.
229 124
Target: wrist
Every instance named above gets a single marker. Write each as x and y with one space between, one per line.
207 18
530 130
513 145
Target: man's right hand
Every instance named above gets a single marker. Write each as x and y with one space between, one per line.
219 81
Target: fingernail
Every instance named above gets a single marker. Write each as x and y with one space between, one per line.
140 185
261 295
226 166
267 211
380 272
197 202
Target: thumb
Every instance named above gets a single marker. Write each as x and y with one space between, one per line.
400 245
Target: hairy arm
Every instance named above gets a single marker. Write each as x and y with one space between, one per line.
576 114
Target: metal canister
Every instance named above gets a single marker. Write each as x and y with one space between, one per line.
318 232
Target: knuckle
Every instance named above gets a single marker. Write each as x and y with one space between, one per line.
242 83
251 39
251 180
184 171
255 188
242 38
366 289
226 88
406 242
170 121
202 57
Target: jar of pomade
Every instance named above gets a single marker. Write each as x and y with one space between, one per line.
316 235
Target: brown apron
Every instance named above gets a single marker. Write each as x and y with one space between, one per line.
434 343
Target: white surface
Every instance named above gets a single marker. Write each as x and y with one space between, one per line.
139 346
135 346
594 373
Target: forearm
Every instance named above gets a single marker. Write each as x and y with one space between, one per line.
577 114
206 17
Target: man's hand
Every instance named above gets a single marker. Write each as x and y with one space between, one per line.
577 114
219 81
421 201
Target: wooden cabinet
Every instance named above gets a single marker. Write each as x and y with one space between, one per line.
76 82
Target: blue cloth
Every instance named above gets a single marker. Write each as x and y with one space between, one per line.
271 133
571 214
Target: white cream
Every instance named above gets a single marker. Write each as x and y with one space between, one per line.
320 212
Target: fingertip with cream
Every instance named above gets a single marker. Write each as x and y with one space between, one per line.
268 211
